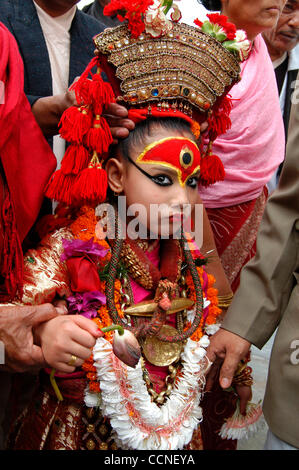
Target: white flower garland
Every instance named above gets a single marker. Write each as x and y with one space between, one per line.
139 423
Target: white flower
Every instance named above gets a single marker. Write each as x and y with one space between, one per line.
243 44
212 329
156 23
240 35
204 341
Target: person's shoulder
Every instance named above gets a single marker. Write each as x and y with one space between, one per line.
6 10
92 25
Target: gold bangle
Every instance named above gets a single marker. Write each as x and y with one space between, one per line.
224 301
224 305
227 297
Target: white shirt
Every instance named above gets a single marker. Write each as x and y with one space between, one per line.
58 41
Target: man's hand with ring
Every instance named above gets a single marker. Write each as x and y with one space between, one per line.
16 332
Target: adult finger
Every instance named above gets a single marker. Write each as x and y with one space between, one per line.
38 359
244 393
119 133
116 109
40 314
119 122
228 369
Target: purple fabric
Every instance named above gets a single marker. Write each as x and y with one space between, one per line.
74 248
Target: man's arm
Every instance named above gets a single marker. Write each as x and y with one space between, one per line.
267 281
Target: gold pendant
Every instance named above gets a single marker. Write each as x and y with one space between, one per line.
160 353
148 307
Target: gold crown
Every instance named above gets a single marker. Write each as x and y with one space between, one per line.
186 66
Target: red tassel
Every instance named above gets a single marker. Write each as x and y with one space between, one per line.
99 138
74 124
95 91
81 86
220 121
91 186
60 187
101 93
75 159
211 170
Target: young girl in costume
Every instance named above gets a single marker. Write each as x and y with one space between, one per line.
155 288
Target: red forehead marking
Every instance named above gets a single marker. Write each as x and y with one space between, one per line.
177 153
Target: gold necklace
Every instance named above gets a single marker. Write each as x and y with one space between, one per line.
160 398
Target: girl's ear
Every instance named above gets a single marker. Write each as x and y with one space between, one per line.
115 170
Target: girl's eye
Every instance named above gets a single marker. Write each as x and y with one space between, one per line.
193 182
162 180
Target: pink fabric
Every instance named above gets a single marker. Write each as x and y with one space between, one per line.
254 147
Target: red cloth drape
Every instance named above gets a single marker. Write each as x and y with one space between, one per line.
26 158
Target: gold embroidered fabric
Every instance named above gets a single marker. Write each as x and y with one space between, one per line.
45 276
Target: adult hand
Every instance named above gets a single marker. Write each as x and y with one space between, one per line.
244 393
48 110
64 337
16 332
228 348
117 118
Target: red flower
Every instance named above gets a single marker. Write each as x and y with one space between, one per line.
229 28
198 22
83 274
131 10
216 18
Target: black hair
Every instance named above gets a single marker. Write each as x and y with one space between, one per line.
148 127
213 5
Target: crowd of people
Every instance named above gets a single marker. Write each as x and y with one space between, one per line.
206 114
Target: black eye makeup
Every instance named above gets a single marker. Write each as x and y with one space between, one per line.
162 180
193 182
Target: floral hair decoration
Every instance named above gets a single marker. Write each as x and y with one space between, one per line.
156 67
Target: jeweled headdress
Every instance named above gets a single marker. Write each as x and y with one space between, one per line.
156 67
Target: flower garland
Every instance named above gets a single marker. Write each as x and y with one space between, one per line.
138 422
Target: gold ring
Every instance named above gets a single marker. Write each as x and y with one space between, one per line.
72 361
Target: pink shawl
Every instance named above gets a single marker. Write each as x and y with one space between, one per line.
254 146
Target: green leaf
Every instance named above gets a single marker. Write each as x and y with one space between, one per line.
207 27
167 4
221 37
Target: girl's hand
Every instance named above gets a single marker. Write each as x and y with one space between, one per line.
67 336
